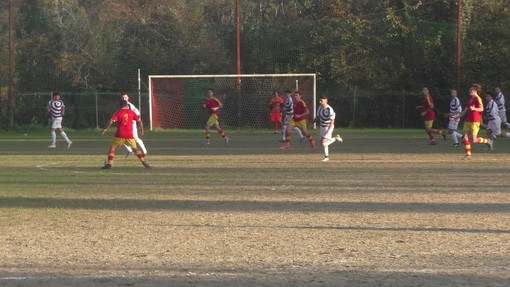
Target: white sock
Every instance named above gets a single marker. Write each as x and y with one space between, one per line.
128 148
64 135
298 131
141 145
284 130
53 137
326 149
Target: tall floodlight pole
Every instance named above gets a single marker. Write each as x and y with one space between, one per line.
10 104
238 44
459 30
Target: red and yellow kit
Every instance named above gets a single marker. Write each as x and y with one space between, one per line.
299 109
428 105
124 119
212 103
473 116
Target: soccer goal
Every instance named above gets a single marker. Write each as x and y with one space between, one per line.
176 101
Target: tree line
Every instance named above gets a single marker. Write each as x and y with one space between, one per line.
355 46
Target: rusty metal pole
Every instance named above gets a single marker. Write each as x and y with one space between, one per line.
11 98
238 44
459 48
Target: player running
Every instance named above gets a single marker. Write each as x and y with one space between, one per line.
124 135
491 117
453 123
288 110
298 120
472 124
326 119
213 105
429 116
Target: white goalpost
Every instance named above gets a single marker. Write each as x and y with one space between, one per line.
176 101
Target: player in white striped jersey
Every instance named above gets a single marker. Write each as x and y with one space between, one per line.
453 115
492 119
138 140
500 101
57 110
288 112
326 119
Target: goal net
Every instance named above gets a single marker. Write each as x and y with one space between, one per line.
176 102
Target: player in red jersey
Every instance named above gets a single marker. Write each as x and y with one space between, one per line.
299 121
213 105
474 111
429 116
124 135
275 104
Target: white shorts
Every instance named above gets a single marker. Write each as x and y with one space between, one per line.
494 126
286 120
328 134
453 124
56 123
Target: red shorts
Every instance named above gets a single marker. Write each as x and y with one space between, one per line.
276 117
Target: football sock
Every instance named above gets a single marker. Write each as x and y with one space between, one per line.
53 137
64 135
141 145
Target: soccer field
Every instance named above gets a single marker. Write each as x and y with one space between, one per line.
386 210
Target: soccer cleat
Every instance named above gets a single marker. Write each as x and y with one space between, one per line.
128 154
107 166
285 147
206 143
338 138
432 143
456 145
69 145
490 144
325 159
227 140
312 142
146 164
282 141
467 157
444 136
52 146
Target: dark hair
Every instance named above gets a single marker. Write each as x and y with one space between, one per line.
288 91
123 103
490 94
56 94
324 97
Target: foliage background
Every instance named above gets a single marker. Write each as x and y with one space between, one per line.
371 56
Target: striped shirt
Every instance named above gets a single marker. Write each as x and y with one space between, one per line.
500 101
56 108
288 106
455 107
326 115
491 112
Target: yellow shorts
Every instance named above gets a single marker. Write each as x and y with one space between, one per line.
428 124
472 128
300 125
117 142
213 120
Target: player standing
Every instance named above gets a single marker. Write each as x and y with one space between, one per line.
453 123
298 120
429 116
135 129
213 105
124 135
275 104
472 124
326 118
57 110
